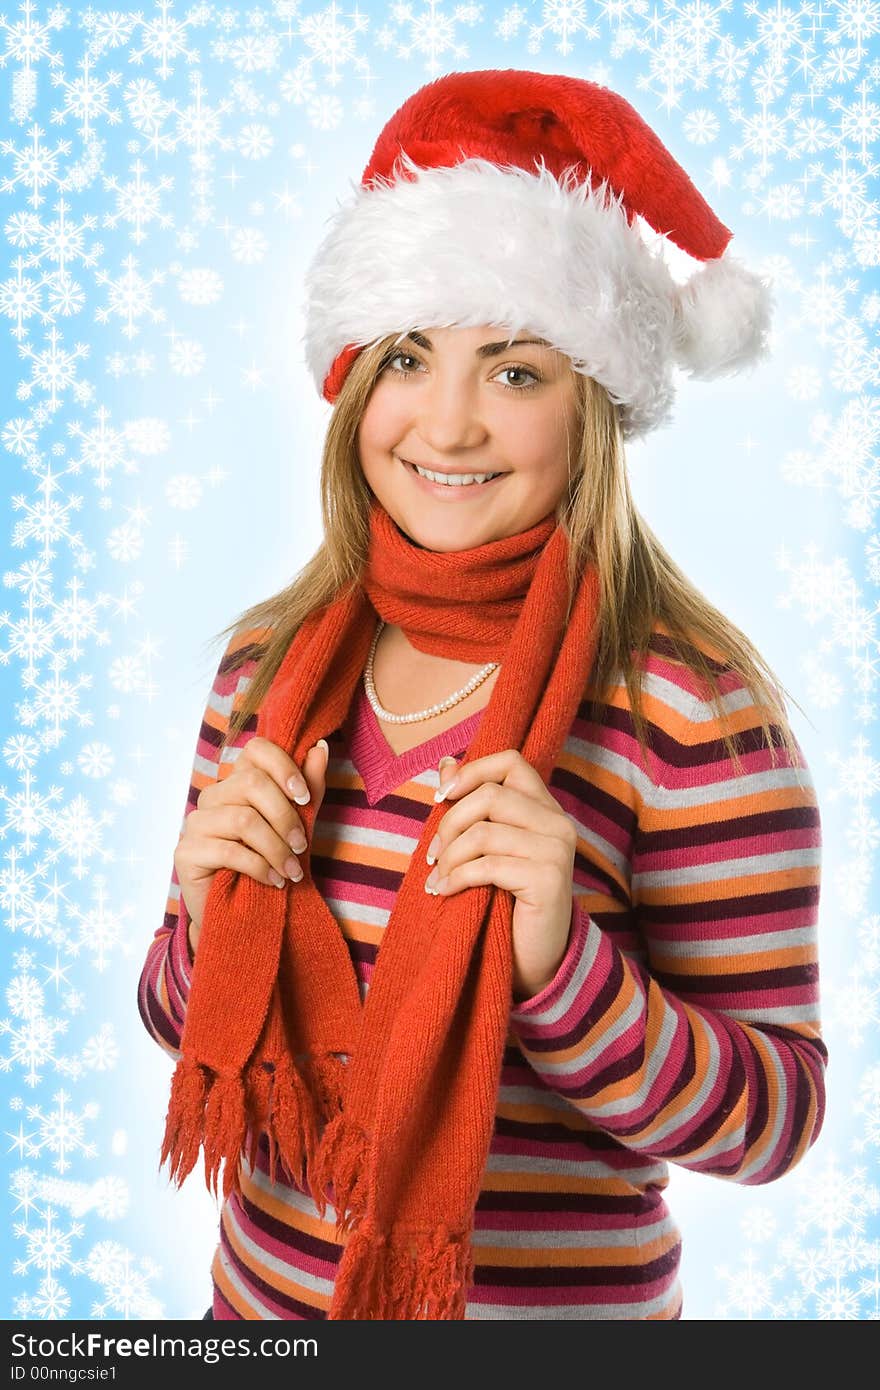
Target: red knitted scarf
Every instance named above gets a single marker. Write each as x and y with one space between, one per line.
395 1131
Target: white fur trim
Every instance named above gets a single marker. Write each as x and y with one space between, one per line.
478 243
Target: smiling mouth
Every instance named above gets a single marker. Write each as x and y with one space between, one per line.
453 487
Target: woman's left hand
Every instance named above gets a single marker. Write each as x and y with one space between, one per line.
506 828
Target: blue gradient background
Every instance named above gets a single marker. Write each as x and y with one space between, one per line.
149 503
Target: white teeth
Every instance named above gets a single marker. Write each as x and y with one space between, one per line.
453 480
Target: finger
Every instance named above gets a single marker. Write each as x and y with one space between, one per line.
270 758
530 882
217 853
249 784
506 805
245 824
507 767
487 840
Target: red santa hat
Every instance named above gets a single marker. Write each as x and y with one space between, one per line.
538 202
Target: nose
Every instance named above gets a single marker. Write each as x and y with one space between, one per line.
449 416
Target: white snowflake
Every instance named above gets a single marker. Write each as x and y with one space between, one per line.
130 297
87 97
62 1131
36 166
137 202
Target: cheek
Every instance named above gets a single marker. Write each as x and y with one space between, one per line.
382 421
539 445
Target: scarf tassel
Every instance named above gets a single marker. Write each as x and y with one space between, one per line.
184 1121
225 1131
341 1160
419 1276
292 1124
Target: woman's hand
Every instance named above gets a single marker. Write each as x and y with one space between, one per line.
247 822
506 828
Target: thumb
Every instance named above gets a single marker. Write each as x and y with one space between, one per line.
447 767
317 758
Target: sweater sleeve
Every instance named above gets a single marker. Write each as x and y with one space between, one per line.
166 976
703 1046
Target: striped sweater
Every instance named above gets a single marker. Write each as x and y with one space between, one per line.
681 1027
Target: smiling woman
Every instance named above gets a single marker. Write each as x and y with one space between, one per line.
455 1094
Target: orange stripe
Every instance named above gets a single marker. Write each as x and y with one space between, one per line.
321 1229
675 817
724 888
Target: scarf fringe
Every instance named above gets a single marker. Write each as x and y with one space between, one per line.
225 1115
412 1276
184 1121
225 1131
293 1122
341 1160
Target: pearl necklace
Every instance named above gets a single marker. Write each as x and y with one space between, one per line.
389 718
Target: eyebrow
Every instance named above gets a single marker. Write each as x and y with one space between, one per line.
487 350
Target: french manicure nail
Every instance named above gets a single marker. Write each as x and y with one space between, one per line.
298 790
442 792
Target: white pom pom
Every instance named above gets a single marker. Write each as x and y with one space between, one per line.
722 319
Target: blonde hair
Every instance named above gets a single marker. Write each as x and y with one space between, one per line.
641 587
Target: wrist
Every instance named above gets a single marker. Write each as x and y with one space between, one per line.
529 987
192 936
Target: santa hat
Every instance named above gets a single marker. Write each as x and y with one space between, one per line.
538 202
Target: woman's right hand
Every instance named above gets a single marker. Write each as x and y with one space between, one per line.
248 822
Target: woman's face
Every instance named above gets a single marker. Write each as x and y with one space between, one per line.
458 401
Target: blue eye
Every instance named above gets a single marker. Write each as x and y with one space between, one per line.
411 357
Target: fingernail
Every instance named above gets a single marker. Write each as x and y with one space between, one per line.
433 849
275 877
442 792
322 743
299 791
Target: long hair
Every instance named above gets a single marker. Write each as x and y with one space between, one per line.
640 586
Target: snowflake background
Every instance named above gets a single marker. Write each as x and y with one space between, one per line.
165 176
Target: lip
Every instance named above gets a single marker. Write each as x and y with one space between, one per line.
451 493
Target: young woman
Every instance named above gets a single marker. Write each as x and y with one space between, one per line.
498 882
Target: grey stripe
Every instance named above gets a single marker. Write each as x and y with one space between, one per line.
702 711
809 857
741 785
573 1240
207 766
381 839
558 1312
756 944
359 912
785 1013
567 1167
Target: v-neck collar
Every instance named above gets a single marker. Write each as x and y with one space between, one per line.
381 769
